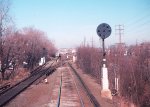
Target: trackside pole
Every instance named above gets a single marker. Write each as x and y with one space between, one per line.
104 31
105 92
42 61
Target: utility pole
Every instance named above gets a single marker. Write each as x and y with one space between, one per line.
92 42
119 29
84 42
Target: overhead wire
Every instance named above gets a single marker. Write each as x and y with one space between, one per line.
140 25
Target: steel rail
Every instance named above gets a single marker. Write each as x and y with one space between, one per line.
81 100
90 95
59 95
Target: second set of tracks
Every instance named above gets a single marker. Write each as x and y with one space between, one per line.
13 91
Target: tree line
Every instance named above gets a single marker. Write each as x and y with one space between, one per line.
130 64
18 46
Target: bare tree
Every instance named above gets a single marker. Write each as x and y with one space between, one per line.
134 72
4 16
35 45
4 23
131 65
89 60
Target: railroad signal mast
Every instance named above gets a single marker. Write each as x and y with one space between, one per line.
104 31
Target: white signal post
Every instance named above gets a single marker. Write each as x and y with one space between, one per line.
104 31
42 61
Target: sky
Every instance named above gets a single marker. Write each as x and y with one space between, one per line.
70 22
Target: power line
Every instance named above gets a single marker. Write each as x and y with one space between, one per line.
144 14
140 27
139 20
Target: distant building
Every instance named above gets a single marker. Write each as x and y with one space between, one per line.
67 53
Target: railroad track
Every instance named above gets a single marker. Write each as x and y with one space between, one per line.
59 94
7 87
13 91
4 87
93 100
73 79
